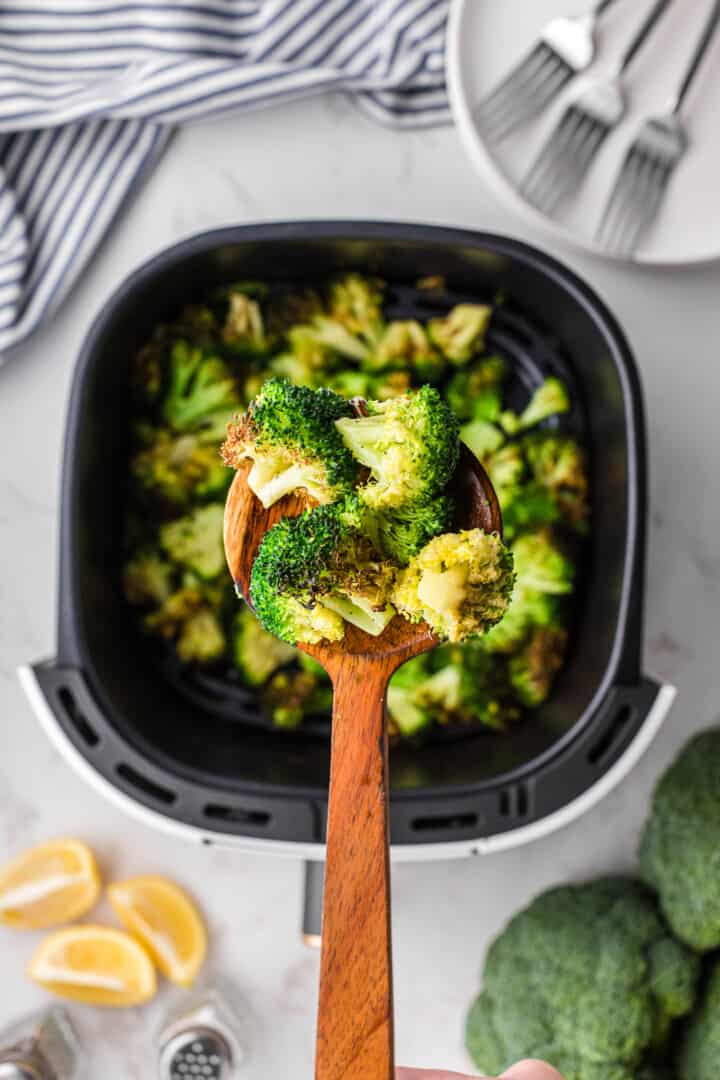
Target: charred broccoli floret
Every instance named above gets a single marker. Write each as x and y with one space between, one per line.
533 669
257 654
316 566
587 978
460 583
355 303
148 578
290 434
460 334
179 469
195 541
550 399
559 465
201 395
244 327
475 392
290 696
409 444
405 343
187 618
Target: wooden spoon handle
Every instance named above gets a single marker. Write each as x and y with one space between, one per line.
355 1020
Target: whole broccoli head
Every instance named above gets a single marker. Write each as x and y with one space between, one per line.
550 399
202 394
257 654
178 470
460 583
680 845
196 541
290 435
316 570
587 978
460 334
699 1054
475 392
410 445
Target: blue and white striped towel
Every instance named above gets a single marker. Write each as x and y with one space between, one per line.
90 91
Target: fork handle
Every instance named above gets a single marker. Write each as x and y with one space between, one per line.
644 32
601 7
698 56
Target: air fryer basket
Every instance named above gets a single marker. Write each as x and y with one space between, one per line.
198 758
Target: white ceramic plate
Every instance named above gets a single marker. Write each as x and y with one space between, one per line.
487 37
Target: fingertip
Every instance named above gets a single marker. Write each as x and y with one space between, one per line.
531 1070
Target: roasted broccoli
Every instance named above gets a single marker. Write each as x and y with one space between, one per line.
475 392
290 695
587 978
699 1054
550 399
533 669
179 469
244 327
482 437
290 435
355 303
400 533
409 444
315 570
559 466
681 842
405 343
257 654
460 334
187 618
202 394
195 541
148 578
460 583
541 565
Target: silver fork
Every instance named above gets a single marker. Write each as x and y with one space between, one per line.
566 47
650 161
561 165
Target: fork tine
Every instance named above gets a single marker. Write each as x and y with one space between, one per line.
630 222
535 98
524 92
515 78
543 173
614 207
659 174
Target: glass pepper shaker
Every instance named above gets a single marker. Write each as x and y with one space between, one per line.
42 1046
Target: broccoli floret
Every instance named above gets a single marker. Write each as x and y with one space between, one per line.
534 667
288 308
318 563
573 979
401 533
482 438
148 579
257 654
681 842
699 1054
541 565
195 541
506 469
407 715
460 334
308 361
527 506
292 695
243 327
460 583
356 303
187 619
410 445
527 609
202 394
550 399
405 343
324 337
147 374
179 469
289 433
475 392
559 465
390 384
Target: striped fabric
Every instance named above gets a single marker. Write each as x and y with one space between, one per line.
90 91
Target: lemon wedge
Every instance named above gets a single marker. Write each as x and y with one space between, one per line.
164 918
48 885
96 965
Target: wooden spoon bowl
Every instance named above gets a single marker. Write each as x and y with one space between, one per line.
355 1019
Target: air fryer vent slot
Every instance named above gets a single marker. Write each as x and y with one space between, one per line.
448 821
600 750
77 718
515 801
148 787
237 814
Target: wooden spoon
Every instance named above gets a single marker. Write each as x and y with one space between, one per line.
355 1020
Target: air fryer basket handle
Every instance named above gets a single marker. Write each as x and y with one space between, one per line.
314 879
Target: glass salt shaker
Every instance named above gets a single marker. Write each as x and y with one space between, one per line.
205 1036
42 1046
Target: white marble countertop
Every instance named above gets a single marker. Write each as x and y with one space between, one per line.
323 159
